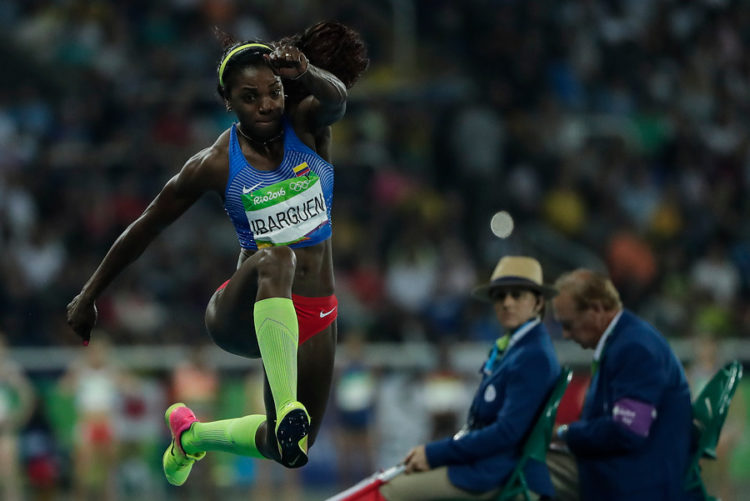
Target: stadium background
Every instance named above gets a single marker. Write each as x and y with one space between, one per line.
614 132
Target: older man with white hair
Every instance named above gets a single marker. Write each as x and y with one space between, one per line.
632 440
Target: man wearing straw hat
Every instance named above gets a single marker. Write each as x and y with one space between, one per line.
516 378
633 437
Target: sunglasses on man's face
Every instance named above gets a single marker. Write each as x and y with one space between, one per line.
501 294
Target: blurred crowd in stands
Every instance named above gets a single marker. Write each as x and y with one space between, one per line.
614 133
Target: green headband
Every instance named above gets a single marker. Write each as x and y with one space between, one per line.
233 52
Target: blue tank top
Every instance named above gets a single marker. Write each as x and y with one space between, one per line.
290 205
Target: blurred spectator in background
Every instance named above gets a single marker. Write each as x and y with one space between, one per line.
634 169
45 465
16 404
354 409
516 379
401 415
140 432
195 382
97 385
715 273
446 396
633 438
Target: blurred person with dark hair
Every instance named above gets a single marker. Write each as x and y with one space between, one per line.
517 376
272 173
16 404
632 440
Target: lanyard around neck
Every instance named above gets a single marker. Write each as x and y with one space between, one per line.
504 342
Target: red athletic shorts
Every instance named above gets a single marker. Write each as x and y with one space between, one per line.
313 313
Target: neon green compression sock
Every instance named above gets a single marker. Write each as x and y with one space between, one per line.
228 435
278 333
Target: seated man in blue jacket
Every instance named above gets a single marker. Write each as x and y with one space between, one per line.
517 378
632 441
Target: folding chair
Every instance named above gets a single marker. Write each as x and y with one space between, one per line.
710 409
537 443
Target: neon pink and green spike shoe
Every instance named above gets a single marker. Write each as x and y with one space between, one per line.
292 429
176 462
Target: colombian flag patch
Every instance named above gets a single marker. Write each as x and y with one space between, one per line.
302 169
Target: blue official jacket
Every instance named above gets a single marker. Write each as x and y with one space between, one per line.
504 409
639 380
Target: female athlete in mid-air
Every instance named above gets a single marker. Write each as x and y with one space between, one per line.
272 172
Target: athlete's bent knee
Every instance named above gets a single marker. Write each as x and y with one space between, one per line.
230 335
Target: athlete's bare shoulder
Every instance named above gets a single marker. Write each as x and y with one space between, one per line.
215 156
220 147
208 169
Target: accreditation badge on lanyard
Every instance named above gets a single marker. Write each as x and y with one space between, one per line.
286 212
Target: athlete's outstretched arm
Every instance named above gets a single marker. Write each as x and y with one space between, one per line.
175 198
